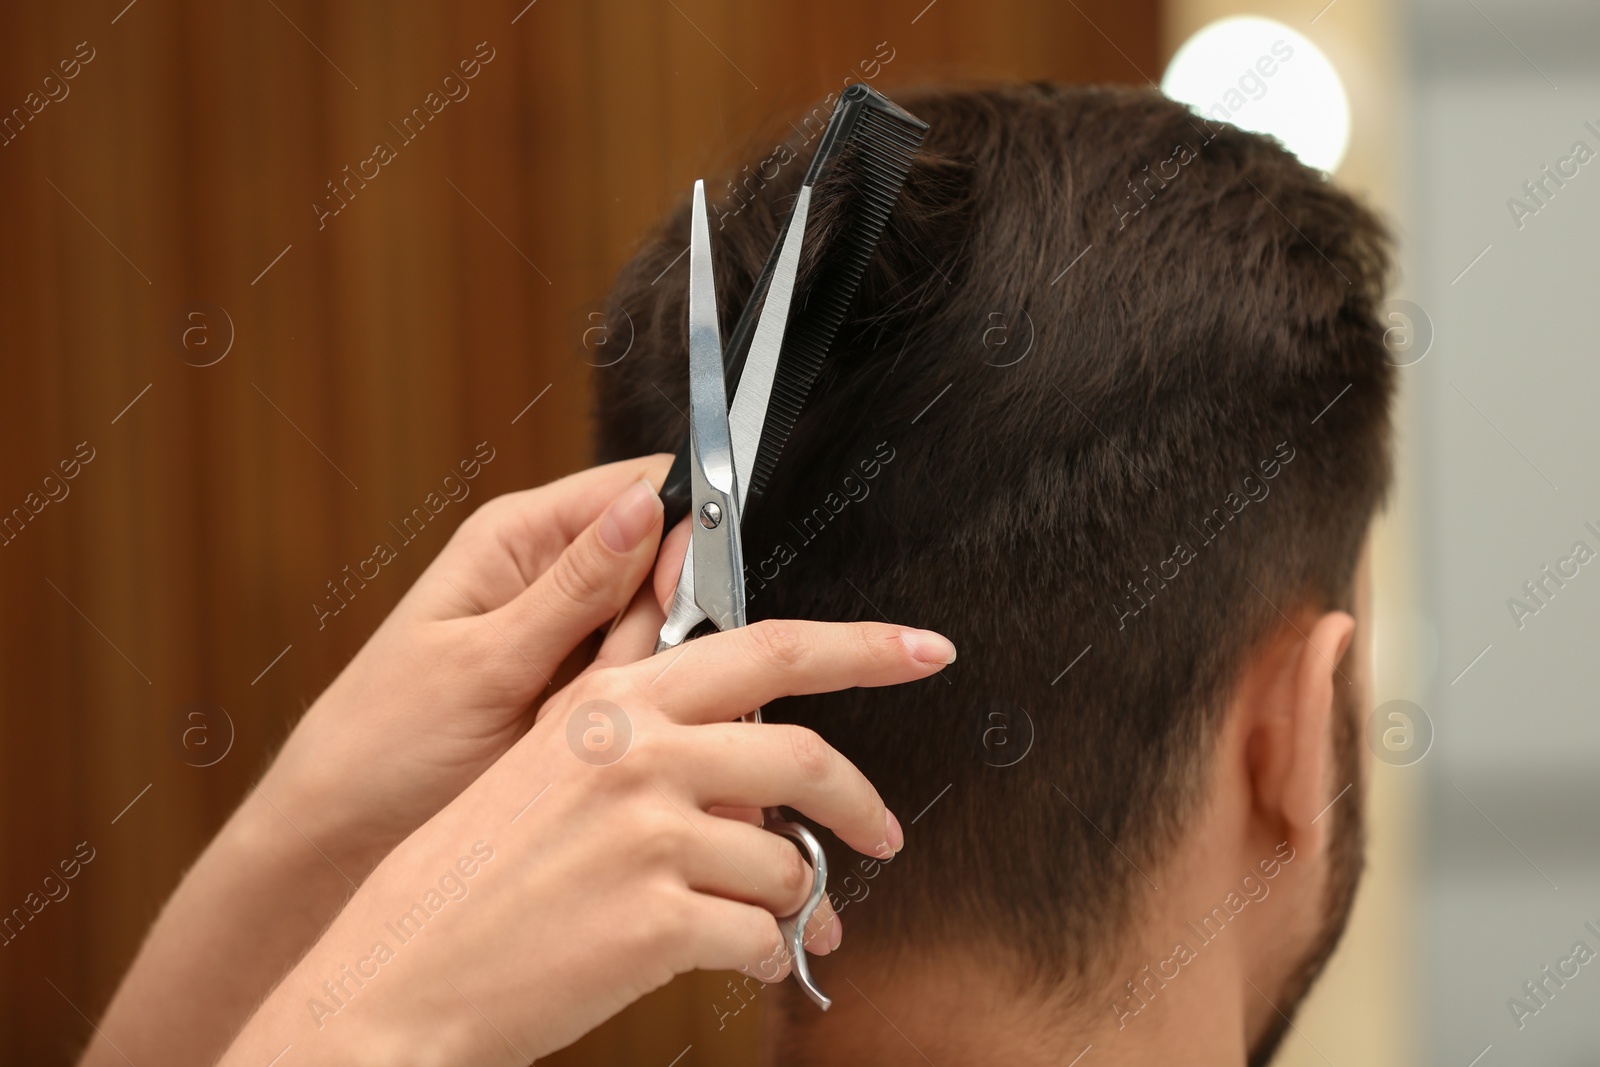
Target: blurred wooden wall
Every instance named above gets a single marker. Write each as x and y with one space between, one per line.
370 351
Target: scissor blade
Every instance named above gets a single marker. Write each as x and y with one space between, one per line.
714 519
748 415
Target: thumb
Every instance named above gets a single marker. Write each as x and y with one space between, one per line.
588 584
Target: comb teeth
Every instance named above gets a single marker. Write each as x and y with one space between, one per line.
885 140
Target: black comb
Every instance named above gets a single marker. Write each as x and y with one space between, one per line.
881 140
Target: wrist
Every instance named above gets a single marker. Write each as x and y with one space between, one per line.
350 1001
260 846
310 788
398 1026
255 900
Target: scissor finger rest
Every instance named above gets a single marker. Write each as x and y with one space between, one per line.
794 927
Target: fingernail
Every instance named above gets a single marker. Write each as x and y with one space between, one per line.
837 935
928 647
893 835
630 517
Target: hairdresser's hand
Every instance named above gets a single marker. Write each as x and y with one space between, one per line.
445 686
593 883
453 676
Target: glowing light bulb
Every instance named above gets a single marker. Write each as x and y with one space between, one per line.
1260 75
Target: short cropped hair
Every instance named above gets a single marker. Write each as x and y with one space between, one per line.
1112 402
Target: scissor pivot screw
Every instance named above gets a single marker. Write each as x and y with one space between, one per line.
710 515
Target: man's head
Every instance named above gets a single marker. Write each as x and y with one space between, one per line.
1111 411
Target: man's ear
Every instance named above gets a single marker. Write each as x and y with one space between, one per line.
1291 739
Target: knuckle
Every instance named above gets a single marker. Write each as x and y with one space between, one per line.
651 752
779 642
629 778
608 683
876 641
650 821
487 516
794 874
661 839
483 515
590 685
577 577
675 928
668 932
813 757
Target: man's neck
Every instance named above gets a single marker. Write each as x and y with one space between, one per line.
952 1012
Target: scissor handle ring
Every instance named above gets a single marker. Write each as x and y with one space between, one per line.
794 927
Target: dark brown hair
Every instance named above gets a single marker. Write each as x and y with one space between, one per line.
1113 393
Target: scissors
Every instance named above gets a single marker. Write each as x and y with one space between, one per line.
723 442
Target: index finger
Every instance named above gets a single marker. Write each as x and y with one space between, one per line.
723 675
